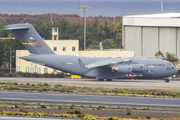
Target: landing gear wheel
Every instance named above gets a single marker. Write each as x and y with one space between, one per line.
166 80
109 79
101 79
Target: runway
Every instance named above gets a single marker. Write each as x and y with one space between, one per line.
89 99
131 84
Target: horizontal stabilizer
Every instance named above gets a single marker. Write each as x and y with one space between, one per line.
38 63
16 28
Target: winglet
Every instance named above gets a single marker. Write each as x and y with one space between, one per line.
81 64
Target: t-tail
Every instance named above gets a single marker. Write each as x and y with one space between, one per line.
29 37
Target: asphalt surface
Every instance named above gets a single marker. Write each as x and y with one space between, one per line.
89 99
131 84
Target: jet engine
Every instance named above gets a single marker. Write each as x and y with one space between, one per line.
137 67
126 69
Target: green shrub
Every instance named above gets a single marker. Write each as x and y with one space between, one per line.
70 112
46 75
43 106
99 108
1 68
15 83
11 74
23 110
148 117
128 113
80 115
16 106
77 112
24 103
111 118
60 74
11 107
135 117
59 107
1 74
27 74
72 106
128 109
52 75
35 74
74 112
145 108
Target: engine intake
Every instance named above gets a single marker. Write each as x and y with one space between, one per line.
137 67
126 69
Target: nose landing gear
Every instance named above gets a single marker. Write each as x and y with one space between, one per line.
166 80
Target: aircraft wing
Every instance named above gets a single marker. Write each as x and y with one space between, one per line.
105 63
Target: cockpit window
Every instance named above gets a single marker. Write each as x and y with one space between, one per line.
168 64
172 67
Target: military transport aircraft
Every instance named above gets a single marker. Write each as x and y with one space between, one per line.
94 67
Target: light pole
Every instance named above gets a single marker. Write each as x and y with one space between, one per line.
161 6
10 60
84 8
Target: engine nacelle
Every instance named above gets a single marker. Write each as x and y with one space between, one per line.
126 69
137 67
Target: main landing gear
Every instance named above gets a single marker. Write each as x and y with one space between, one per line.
106 79
166 80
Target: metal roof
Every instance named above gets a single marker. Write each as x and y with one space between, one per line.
161 15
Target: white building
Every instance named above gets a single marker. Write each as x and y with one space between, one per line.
147 34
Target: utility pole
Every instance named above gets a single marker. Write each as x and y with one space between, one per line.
10 61
84 8
51 17
161 6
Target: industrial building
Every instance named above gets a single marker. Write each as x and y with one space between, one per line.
147 34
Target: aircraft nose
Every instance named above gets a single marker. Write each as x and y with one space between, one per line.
175 70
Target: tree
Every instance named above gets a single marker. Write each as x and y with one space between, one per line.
119 34
2 55
110 44
159 54
171 57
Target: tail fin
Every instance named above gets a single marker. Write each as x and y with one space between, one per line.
31 40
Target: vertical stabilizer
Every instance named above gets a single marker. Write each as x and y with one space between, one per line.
31 40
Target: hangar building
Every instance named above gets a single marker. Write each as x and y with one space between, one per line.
147 34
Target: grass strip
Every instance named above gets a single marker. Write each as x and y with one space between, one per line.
58 88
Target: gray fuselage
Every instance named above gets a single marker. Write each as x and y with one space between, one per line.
149 69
